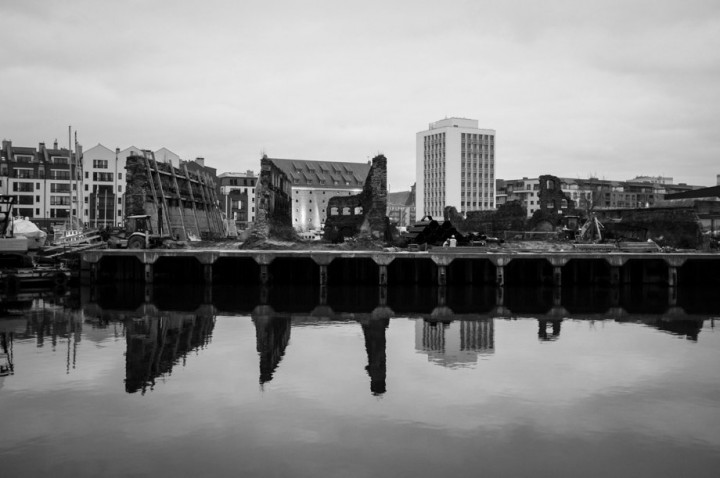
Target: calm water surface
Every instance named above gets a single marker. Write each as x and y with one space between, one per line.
151 392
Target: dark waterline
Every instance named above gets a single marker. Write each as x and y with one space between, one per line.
299 381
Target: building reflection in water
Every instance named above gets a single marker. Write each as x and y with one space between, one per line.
158 338
549 330
156 344
272 335
456 343
375 344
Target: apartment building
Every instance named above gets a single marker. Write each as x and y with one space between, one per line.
237 193
454 166
45 181
592 193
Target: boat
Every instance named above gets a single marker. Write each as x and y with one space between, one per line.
19 269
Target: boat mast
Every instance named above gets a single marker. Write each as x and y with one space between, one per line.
70 226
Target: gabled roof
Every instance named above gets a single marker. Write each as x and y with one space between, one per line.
324 174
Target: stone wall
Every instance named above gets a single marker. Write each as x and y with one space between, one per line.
273 195
361 214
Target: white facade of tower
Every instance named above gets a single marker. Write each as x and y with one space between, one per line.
454 166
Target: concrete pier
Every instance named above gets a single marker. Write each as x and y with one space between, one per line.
443 267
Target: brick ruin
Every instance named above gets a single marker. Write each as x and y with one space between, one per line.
362 214
179 202
273 197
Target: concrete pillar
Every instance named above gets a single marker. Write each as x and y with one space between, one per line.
207 294
614 275
442 296
500 275
208 274
500 296
323 295
148 293
323 274
382 296
557 276
672 296
149 273
672 276
442 275
93 273
264 274
382 275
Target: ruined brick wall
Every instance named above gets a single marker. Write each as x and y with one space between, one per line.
273 195
364 213
551 197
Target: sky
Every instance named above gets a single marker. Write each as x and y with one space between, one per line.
612 89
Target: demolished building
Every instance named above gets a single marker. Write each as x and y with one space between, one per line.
363 213
180 202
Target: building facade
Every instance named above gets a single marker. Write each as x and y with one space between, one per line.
592 193
454 166
45 182
237 193
313 183
401 208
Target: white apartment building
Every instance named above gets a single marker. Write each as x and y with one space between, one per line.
104 185
454 166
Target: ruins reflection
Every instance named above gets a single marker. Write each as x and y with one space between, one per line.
453 328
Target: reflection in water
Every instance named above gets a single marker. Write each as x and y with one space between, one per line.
158 338
455 343
543 326
481 385
374 332
272 335
156 344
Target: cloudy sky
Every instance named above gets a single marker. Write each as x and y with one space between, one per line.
611 88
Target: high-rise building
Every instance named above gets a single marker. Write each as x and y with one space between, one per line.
454 166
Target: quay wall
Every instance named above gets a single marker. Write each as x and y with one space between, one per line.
442 267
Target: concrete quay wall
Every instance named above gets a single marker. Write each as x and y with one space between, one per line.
441 267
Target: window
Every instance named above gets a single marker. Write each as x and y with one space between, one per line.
23 187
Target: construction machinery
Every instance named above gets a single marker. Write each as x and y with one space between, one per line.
137 234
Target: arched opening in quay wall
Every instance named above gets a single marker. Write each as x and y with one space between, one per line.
236 270
178 270
294 270
361 270
412 271
413 299
353 299
181 297
528 272
471 299
529 299
120 269
471 271
645 271
701 272
581 299
586 271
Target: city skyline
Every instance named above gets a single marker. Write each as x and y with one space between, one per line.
610 89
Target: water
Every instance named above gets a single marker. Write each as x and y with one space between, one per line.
103 387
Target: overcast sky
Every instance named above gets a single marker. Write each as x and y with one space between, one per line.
611 88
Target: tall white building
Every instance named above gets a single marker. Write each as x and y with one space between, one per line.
454 166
